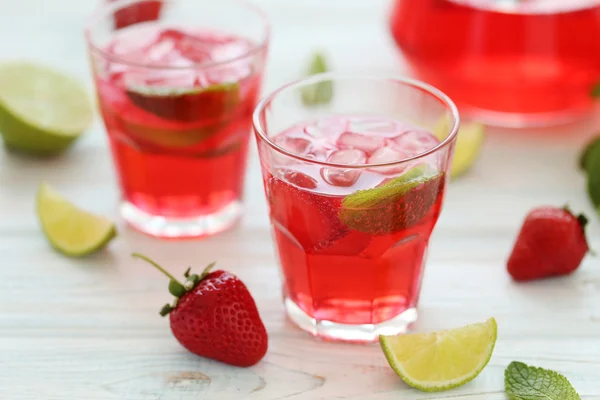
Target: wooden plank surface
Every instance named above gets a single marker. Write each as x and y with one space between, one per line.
89 329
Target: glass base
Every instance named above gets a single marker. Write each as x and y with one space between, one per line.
515 120
178 228
329 330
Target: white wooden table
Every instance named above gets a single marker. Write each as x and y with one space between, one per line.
89 329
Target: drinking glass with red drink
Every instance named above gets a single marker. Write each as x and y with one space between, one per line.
355 187
177 81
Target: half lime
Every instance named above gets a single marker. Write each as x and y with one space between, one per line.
42 111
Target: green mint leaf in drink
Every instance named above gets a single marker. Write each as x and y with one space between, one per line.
523 382
592 147
398 204
321 92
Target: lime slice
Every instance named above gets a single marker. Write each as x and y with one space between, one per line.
42 111
215 102
442 360
468 144
69 229
398 204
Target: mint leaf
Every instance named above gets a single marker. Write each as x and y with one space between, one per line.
591 148
522 382
591 162
320 92
394 206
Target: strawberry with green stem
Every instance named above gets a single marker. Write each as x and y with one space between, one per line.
551 242
214 316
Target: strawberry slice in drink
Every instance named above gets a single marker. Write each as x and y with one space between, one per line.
399 204
141 12
308 218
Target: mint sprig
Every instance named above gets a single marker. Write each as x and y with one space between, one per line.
590 163
523 382
321 92
592 147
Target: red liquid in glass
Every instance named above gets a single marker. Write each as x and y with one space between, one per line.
178 136
523 57
332 271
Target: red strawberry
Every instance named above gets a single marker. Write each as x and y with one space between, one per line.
214 316
551 242
136 13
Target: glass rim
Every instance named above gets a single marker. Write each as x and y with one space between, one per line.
429 89
110 6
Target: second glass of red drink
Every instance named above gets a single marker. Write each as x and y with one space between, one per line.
177 81
355 187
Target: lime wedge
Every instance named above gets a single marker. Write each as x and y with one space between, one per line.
42 111
69 229
468 144
399 204
442 360
214 102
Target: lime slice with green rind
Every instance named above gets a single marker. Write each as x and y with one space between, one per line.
469 142
70 230
443 360
42 110
398 204
214 102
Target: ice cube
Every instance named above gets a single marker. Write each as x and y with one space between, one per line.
366 143
388 155
341 176
295 145
232 73
330 127
230 50
414 142
373 126
196 49
289 142
297 178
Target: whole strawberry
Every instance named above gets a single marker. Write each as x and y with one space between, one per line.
214 316
551 242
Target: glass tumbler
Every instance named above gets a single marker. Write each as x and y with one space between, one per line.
177 81
354 169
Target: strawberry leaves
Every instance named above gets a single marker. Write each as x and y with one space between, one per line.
177 288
